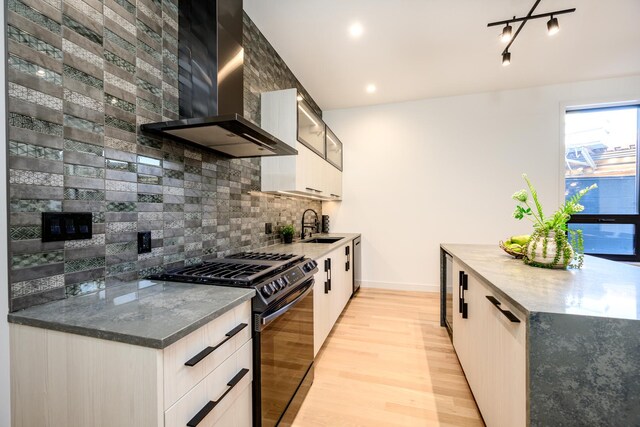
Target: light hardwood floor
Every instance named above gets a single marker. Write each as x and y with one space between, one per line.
388 362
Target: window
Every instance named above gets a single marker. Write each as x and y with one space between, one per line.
601 147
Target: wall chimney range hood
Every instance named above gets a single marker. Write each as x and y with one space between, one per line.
211 84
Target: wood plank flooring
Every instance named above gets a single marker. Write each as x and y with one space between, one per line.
388 362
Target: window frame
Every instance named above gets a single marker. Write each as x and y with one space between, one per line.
633 219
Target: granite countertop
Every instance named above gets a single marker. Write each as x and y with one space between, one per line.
602 288
311 250
144 312
153 313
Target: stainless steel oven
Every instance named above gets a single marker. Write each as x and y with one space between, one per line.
283 357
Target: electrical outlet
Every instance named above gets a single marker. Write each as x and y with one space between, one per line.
144 242
268 228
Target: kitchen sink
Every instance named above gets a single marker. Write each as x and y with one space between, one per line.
323 240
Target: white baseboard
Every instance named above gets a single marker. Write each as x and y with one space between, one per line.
419 287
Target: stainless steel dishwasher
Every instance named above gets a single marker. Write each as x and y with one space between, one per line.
357 265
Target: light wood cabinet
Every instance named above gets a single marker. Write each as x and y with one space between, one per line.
212 387
62 379
321 306
491 346
332 291
308 174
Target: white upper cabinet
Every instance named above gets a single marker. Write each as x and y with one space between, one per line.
308 174
333 149
311 129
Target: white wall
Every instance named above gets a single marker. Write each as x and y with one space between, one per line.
443 170
4 280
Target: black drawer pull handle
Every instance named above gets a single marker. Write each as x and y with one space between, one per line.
509 315
202 413
463 286
207 351
460 297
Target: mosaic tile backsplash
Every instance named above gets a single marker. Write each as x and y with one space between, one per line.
83 75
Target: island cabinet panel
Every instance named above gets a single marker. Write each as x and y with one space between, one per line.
63 379
489 337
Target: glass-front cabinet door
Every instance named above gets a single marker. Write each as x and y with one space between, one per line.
334 149
311 128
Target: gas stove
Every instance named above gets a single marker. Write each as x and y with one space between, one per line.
272 275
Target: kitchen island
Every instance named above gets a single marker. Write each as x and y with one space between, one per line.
562 346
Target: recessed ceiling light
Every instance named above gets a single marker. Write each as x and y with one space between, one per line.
371 88
299 97
356 29
40 73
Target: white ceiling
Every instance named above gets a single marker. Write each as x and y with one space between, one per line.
413 49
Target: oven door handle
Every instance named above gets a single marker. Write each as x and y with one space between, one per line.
264 321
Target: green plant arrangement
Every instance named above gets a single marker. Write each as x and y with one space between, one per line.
287 233
552 244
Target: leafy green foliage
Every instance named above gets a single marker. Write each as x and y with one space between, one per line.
569 243
287 230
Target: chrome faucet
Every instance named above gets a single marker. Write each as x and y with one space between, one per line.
313 225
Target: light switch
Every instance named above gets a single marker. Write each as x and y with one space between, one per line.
59 226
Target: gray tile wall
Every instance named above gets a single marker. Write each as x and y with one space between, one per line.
265 71
83 75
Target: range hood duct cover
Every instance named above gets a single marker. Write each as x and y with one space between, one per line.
211 84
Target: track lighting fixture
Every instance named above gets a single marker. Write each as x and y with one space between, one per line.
552 26
506 59
506 37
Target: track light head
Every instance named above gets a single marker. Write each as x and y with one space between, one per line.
552 26
506 59
506 35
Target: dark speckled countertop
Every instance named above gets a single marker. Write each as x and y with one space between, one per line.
311 250
602 288
146 313
153 313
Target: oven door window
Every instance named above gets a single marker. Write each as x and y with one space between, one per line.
286 353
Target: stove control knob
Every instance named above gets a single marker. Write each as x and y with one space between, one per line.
282 283
311 265
266 291
274 287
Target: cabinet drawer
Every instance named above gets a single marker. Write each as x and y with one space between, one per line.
239 414
233 407
205 349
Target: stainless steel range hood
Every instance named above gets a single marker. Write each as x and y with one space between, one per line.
211 84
